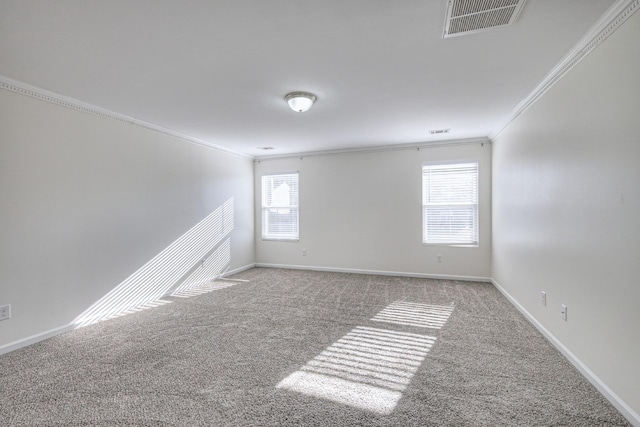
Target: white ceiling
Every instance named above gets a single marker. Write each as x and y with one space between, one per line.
218 70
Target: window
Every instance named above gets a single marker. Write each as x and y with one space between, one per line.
280 206
450 204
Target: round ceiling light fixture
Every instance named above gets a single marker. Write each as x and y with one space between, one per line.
300 101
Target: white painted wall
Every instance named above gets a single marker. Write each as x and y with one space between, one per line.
86 201
566 211
363 211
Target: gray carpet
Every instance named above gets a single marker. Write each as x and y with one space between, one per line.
305 348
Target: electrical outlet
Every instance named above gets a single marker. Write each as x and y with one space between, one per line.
563 312
304 252
438 258
543 298
5 312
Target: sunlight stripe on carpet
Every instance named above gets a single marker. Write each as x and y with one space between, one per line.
414 314
368 369
201 289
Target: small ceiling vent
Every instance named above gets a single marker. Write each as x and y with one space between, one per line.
474 16
439 131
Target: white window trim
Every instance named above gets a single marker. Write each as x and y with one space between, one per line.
477 204
262 209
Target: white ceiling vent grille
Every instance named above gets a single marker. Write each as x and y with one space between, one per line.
439 131
473 16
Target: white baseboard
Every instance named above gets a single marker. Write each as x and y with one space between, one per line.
618 403
376 272
52 333
34 339
238 270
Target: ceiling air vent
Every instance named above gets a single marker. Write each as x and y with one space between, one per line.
439 131
474 16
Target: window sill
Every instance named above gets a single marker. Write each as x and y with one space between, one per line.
452 245
279 239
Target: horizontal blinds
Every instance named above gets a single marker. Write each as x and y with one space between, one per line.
280 206
450 204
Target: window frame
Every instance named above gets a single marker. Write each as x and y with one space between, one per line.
476 205
264 230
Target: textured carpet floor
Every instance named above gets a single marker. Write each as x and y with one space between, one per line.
305 348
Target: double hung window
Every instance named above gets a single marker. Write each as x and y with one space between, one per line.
280 206
450 204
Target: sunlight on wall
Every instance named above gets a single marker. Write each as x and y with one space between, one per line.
158 276
368 369
412 314
212 267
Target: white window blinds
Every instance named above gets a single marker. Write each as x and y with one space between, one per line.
280 206
450 204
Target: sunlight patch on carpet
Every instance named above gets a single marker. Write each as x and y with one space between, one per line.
142 307
414 314
367 369
201 289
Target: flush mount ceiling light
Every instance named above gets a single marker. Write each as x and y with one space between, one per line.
300 101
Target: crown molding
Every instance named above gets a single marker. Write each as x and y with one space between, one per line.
617 14
381 148
74 104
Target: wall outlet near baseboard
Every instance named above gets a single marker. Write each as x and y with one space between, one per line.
5 312
563 312
304 252
543 298
439 258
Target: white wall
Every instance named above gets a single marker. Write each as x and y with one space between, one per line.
86 201
566 211
363 211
